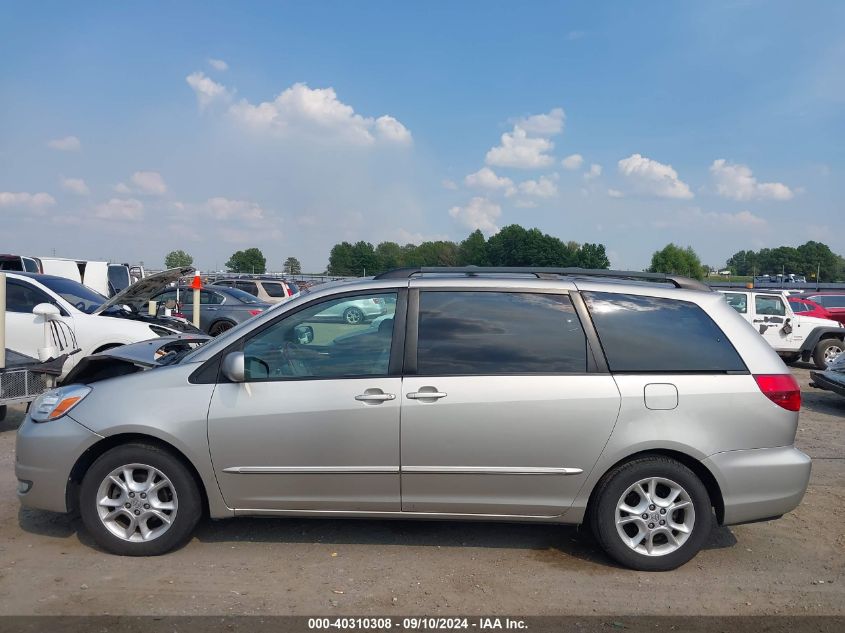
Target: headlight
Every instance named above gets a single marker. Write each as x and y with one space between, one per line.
56 402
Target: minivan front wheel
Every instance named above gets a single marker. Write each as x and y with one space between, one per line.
651 514
138 500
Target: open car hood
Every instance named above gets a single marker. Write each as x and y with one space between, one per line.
144 289
132 358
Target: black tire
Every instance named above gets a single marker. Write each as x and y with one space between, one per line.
218 327
827 348
609 493
188 510
353 316
2 412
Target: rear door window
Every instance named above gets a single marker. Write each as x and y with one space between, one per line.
247 286
487 333
655 334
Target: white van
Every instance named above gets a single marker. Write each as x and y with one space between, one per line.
95 275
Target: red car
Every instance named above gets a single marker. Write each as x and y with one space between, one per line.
806 307
831 300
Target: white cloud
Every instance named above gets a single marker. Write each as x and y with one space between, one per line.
75 185
521 151
389 129
319 112
573 161
120 209
206 89
66 144
122 188
479 213
218 64
594 172
448 184
544 187
149 182
738 183
226 209
650 177
712 219
486 178
525 204
24 199
527 146
543 124
615 193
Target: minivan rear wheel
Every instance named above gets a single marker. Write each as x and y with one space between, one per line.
651 514
138 500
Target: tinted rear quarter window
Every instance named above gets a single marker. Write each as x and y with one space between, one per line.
485 333
273 290
654 334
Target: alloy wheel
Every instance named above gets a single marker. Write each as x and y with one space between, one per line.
136 502
655 516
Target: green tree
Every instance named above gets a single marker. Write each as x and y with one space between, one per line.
592 256
389 255
178 259
675 260
251 260
353 260
292 266
473 250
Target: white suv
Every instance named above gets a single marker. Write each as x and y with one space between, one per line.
793 336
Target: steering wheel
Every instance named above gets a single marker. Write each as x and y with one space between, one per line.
300 367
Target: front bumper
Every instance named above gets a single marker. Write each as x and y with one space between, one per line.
45 453
820 380
760 483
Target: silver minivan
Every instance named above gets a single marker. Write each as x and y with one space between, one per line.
641 404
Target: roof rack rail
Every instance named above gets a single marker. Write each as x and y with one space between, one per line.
542 272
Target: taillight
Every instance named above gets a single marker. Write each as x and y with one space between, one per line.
782 389
254 312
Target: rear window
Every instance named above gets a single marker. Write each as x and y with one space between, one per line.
830 301
485 333
653 334
273 290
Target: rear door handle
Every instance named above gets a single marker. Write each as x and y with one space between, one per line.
375 397
424 395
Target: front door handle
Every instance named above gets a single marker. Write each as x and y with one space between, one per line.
425 395
375 397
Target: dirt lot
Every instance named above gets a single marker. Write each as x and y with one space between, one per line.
279 566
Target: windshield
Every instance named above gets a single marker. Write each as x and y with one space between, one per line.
81 297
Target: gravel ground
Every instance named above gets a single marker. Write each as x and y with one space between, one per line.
49 566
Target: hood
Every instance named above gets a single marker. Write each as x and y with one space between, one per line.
143 290
811 320
128 359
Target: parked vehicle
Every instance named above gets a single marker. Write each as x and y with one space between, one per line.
528 396
275 291
93 274
832 379
91 321
830 300
805 307
19 263
119 278
220 308
355 311
793 335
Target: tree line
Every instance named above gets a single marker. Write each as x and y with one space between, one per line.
512 246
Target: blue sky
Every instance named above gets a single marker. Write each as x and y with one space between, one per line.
129 129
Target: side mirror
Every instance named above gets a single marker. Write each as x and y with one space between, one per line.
48 311
233 366
304 334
